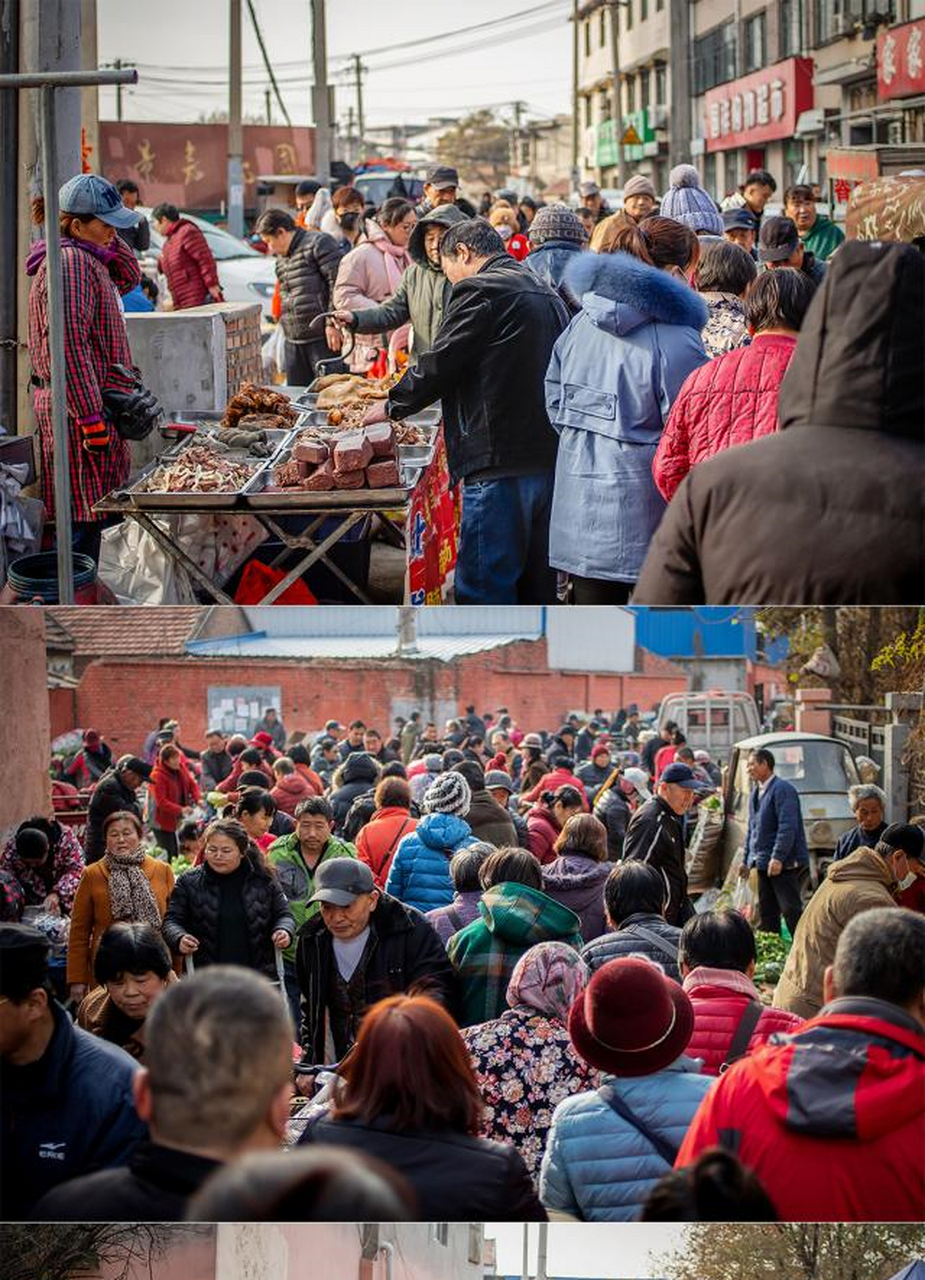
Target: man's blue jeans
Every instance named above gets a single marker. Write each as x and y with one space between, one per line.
504 542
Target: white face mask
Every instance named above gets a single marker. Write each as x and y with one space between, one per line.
904 884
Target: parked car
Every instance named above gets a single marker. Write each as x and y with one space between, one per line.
376 184
821 768
245 274
711 721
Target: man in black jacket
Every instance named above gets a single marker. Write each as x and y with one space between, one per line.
655 836
115 792
363 945
202 1108
488 366
306 268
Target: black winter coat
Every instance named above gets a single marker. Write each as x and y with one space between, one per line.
462 1177
306 280
488 367
613 810
832 509
110 795
194 905
406 950
358 775
154 1186
639 934
655 836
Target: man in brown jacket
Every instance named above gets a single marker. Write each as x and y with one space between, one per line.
867 878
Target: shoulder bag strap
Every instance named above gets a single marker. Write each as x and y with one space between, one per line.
667 1150
743 1035
654 940
398 835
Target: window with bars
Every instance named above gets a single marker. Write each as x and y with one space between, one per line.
837 17
715 57
661 83
753 30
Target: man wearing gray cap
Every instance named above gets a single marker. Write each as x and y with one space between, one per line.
592 199
441 183
66 1105
362 946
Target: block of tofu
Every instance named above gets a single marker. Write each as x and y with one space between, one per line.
313 452
321 480
352 453
349 479
381 435
383 474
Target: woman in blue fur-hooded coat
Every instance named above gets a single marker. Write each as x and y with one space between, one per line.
612 379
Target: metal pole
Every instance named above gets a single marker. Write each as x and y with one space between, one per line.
361 122
541 1252
63 532
68 79
575 98
117 63
9 153
617 93
235 132
321 100
525 1267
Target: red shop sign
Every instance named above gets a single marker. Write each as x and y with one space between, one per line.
901 60
760 107
852 166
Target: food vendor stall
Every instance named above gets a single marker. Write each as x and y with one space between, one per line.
307 476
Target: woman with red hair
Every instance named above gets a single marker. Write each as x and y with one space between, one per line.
409 1097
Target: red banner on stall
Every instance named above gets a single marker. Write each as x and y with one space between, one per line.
760 107
901 61
431 531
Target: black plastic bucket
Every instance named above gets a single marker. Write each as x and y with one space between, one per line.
35 577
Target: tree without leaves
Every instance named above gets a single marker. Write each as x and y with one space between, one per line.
478 146
797 1251
60 1251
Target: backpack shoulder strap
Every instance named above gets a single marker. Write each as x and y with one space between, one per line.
667 1150
660 944
738 1046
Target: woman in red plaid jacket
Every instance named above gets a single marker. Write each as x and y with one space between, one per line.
97 266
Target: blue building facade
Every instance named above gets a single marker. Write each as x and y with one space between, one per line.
714 632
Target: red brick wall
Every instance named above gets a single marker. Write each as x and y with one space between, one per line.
126 699
63 707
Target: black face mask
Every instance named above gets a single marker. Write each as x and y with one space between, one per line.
349 221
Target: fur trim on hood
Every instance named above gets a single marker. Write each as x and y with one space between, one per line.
641 293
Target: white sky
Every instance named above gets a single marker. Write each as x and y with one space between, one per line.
176 34
593 1250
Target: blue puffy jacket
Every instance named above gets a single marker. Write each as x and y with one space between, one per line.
612 379
70 1114
420 871
597 1167
775 827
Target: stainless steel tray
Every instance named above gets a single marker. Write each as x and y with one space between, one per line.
275 439
255 495
428 421
416 455
135 496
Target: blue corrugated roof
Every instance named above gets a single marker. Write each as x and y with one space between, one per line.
709 632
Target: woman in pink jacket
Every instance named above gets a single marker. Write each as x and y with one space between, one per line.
370 273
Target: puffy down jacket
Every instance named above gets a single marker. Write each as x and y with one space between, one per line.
730 400
640 934
577 882
597 1167
720 997
420 872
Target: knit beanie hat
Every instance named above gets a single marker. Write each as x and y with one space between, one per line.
639 185
449 793
687 202
556 222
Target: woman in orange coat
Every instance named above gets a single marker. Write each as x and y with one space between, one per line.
378 840
125 884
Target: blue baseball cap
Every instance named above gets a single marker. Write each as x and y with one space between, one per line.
739 220
681 775
89 195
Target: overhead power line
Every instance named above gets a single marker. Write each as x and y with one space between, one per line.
263 49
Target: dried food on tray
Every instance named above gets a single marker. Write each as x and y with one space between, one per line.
312 451
350 479
320 480
383 473
252 399
198 469
411 433
352 453
264 422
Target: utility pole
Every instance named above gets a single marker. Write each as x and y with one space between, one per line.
525 1268
321 100
541 1252
235 131
576 173
617 93
266 98
117 64
351 137
679 117
358 70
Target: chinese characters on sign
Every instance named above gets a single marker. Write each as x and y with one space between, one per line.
759 107
901 61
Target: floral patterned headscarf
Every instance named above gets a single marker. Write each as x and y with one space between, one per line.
549 978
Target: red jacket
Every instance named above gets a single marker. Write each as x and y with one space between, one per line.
290 790
229 784
186 260
553 781
377 842
174 790
311 778
832 1121
727 401
719 997
543 834
663 758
